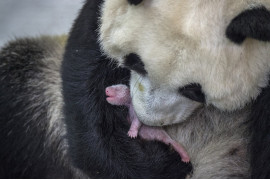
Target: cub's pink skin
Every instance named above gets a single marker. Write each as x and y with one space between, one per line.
120 95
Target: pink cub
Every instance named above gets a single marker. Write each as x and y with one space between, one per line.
120 95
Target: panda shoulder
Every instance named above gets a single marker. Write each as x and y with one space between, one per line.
23 54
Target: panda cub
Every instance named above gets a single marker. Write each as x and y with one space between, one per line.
120 95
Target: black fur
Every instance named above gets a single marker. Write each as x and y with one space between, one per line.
28 150
255 23
260 142
193 92
134 62
97 131
135 2
252 23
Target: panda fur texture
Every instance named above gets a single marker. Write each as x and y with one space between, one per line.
214 52
36 135
97 131
39 142
188 40
31 119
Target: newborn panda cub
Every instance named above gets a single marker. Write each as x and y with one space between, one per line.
120 95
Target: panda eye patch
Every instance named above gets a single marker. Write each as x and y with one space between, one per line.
134 62
134 2
193 92
252 23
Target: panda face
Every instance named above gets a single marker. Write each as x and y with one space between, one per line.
179 43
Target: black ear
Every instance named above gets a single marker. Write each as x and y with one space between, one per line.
252 23
193 92
134 2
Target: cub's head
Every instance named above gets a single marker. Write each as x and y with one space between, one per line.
183 53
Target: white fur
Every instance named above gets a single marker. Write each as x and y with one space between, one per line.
182 42
216 142
159 106
51 85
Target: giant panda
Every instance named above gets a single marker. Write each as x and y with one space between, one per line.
215 53
61 126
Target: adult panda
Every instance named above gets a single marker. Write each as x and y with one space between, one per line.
97 137
215 53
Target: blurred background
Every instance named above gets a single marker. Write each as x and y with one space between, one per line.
20 18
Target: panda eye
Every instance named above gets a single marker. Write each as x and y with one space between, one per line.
193 92
134 2
134 62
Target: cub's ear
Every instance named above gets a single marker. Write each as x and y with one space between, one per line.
134 2
252 23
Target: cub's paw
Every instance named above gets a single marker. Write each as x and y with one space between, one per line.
132 133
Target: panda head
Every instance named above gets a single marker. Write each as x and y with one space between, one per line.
189 52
